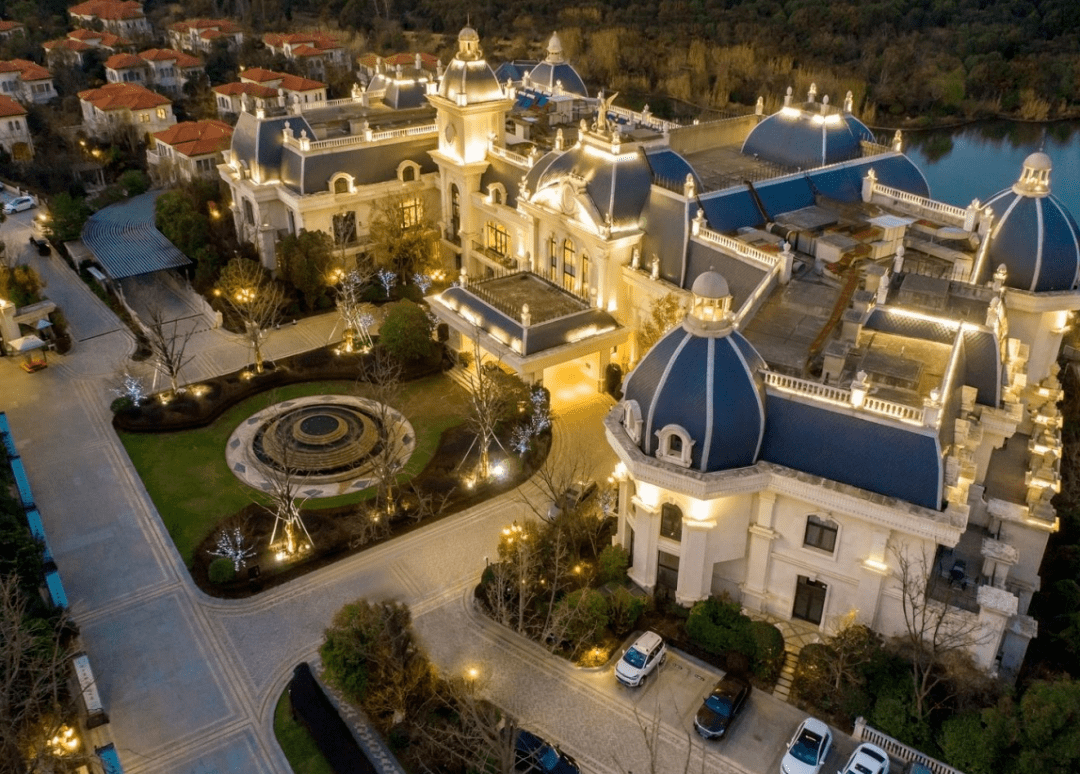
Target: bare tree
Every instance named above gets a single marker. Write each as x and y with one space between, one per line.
650 728
488 403
850 649
382 373
35 703
354 311
476 733
284 494
937 638
169 346
254 298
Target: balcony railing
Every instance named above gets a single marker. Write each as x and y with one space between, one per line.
364 138
842 396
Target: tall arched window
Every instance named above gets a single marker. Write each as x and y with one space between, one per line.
568 268
553 257
455 212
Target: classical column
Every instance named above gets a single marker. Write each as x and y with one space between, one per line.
755 587
695 570
646 522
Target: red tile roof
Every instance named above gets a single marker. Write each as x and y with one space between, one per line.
222 25
67 44
318 40
103 38
115 96
289 82
405 59
254 89
8 26
197 138
9 107
124 62
28 71
167 54
113 10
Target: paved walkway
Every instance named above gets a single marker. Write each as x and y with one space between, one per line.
191 682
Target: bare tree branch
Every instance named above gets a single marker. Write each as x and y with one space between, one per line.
169 346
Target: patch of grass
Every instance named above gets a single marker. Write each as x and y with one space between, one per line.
193 488
300 749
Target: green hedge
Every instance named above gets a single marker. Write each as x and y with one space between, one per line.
719 626
222 570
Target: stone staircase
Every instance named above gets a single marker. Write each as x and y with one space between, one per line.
783 684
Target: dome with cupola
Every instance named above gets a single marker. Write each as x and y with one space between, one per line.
697 398
468 78
808 135
555 75
1032 234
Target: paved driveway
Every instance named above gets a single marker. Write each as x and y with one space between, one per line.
190 682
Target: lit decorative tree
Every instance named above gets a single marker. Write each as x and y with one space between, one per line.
285 499
132 388
233 545
422 281
169 346
256 299
387 279
353 310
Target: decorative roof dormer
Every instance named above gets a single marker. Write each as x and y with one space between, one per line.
710 308
469 45
554 50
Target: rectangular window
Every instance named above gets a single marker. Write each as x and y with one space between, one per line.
411 212
144 118
161 114
671 521
249 212
344 228
820 533
809 600
497 239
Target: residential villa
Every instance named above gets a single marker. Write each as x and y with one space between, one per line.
120 17
293 87
9 28
314 51
188 150
230 98
120 107
26 81
164 69
864 380
198 35
71 50
14 131
368 65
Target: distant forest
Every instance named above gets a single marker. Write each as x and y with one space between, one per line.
904 60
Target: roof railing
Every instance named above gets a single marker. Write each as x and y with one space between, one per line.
842 396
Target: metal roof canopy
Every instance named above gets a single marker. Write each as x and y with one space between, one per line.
126 242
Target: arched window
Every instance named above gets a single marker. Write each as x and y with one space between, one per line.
496 195
568 267
674 445
341 185
455 212
632 420
498 240
671 521
408 174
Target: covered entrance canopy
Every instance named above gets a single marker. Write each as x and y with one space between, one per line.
530 324
126 242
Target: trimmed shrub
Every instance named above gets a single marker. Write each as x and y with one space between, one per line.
811 681
612 564
719 626
769 650
221 569
406 332
587 615
625 609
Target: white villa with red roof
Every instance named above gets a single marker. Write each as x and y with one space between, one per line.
26 81
121 17
189 150
163 68
295 88
70 50
198 35
115 106
14 131
9 28
315 50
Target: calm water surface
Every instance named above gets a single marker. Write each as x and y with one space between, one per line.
978 160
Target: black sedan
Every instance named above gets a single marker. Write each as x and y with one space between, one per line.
41 245
535 756
721 706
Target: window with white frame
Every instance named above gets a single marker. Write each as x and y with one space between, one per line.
162 113
412 212
632 420
821 533
671 521
674 445
498 240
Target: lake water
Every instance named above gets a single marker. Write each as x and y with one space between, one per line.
978 160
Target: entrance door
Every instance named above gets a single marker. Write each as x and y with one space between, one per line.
809 600
667 571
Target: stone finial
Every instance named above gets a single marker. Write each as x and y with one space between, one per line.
849 102
859 389
419 61
825 104
689 186
526 316
635 258
655 265
898 141
811 95
999 278
759 106
560 140
787 97
898 259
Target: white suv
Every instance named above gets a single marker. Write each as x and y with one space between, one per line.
641 659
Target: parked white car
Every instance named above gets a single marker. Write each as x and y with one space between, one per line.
808 748
867 759
641 659
18 204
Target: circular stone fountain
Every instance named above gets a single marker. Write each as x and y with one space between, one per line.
328 441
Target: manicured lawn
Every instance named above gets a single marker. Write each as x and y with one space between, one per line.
296 742
194 490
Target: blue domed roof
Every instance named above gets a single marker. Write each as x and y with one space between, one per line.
1033 234
555 72
808 136
708 383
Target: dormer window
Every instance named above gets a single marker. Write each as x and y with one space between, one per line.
341 183
632 420
408 171
674 445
